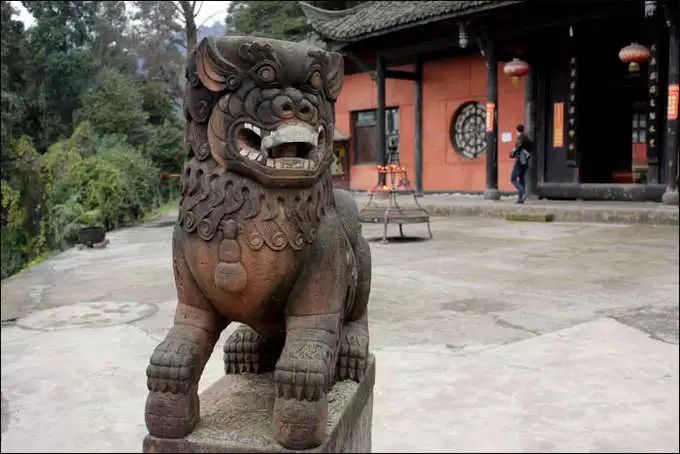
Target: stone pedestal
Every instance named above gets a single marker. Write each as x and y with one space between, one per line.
236 416
492 194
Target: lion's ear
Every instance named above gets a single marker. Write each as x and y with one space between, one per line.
215 73
335 71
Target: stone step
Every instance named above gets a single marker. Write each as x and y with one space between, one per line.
562 211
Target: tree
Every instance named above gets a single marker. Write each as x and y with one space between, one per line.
11 82
113 42
272 19
275 19
114 107
188 12
57 66
159 43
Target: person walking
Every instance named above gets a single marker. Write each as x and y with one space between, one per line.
521 154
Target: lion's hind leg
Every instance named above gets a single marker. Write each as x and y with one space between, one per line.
246 350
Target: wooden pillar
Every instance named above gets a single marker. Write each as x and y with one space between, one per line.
418 148
672 129
530 128
380 139
491 191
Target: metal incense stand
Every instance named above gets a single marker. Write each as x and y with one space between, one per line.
383 205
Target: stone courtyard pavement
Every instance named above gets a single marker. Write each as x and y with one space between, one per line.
495 336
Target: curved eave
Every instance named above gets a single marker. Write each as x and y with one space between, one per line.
316 15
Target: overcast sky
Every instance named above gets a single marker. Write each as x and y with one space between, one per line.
210 11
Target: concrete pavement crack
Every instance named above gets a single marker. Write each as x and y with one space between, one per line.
506 324
152 336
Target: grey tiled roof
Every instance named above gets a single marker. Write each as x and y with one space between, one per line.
378 17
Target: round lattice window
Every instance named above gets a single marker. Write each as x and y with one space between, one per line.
468 130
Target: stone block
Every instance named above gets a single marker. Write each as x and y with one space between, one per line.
236 416
532 217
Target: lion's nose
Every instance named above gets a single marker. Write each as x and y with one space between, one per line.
283 107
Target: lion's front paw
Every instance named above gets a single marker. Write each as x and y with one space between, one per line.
171 368
306 368
172 415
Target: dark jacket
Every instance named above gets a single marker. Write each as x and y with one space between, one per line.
523 149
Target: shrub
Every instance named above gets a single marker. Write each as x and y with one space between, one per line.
12 237
21 207
112 187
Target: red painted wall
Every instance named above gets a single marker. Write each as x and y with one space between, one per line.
447 85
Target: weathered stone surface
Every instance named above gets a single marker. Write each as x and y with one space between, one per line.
236 416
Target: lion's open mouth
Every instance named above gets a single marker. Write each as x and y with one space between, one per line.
290 146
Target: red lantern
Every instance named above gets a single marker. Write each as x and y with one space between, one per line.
516 69
634 54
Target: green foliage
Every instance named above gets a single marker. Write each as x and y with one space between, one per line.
56 66
68 217
12 255
21 208
11 101
61 156
156 103
113 40
98 94
164 145
114 106
113 186
159 43
271 19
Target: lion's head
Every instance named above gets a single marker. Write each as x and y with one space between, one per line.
267 105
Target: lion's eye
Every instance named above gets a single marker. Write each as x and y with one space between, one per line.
315 80
267 73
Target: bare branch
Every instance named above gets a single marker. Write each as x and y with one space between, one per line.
178 10
199 9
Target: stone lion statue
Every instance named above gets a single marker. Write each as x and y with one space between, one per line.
263 239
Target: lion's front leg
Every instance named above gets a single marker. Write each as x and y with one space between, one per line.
305 371
176 365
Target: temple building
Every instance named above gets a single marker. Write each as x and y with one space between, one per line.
440 87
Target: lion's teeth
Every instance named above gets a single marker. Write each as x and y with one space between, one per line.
253 155
253 128
270 163
243 152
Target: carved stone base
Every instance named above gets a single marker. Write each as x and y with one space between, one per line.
236 416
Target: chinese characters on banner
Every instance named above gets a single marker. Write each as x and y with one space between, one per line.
558 124
673 101
490 107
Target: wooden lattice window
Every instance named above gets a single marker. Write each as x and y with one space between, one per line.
467 132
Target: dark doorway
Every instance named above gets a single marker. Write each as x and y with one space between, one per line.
610 104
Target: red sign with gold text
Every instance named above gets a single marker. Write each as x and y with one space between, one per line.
558 124
490 107
673 95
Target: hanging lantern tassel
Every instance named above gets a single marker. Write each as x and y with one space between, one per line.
634 54
516 69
